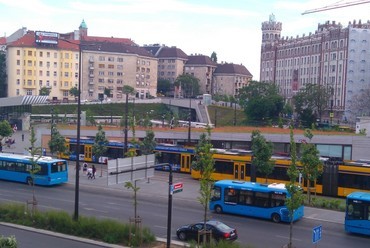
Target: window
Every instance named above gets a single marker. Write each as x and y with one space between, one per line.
40 73
119 74
55 73
66 65
110 73
65 94
111 59
18 81
55 64
48 73
101 58
66 55
66 74
101 66
18 52
29 53
29 92
101 80
110 66
120 59
119 67
18 72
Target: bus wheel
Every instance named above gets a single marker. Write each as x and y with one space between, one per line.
218 209
29 181
276 218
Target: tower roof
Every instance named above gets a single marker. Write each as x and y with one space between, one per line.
83 25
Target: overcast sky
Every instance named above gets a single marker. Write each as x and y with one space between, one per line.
231 28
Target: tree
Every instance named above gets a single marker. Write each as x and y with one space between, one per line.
163 86
3 76
57 141
262 152
44 91
359 105
203 162
127 90
189 85
261 101
107 92
296 198
148 144
35 167
311 102
214 57
74 91
311 164
5 131
100 143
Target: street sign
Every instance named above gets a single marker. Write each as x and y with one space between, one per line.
176 188
316 234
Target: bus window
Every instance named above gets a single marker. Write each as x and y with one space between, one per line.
277 200
262 199
230 196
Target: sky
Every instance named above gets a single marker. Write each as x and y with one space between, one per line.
231 28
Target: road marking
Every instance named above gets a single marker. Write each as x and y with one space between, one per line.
163 227
285 237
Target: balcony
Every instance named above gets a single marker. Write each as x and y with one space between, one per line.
91 75
91 82
91 60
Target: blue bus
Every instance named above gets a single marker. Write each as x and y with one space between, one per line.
265 201
357 219
17 168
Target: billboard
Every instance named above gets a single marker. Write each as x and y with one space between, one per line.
46 37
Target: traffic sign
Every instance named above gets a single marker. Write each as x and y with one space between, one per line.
176 188
316 234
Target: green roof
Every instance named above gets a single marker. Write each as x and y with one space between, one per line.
83 24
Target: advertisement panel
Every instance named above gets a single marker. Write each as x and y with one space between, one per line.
46 37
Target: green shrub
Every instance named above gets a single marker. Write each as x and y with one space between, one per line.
106 230
8 242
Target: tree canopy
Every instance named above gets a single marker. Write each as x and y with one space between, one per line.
262 152
73 91
214 57
100 143
163 86
189 84
359 105
311 102
261 101
5 129
44 91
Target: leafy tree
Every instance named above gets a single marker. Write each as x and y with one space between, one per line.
296 198
5 129
163 86
311 102
261 101
203 162
359 105
311 164
90 117
44 91
107 92
135 189
57 141
262 152
100 143
189 84
127 90
3 76
148 144
214 57
74 91
35 168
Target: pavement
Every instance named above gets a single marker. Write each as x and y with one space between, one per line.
157 185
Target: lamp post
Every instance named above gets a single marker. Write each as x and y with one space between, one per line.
77 182
126 127
52 123
189 124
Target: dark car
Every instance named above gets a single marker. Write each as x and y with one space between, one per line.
220 231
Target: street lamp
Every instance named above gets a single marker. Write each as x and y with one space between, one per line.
189 124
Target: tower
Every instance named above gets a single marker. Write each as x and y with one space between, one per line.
271 30
270 36
82 29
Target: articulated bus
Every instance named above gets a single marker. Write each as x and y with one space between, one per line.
17 168
265 201
115 150
357 219
339 178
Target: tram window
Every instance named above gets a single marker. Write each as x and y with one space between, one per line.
224 167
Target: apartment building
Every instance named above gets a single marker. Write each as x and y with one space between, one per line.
40 59
229 78
319 58
171 61
201 67
115 64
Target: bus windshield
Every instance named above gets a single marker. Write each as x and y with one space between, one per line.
357 218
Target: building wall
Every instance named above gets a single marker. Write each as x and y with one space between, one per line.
114 70
230 84
358 70
170 68
31 68
205 74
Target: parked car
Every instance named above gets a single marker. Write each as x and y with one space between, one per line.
220 231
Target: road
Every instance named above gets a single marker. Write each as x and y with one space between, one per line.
97 199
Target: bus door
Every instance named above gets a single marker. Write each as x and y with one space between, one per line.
185 163
330 179
239 171
88 153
